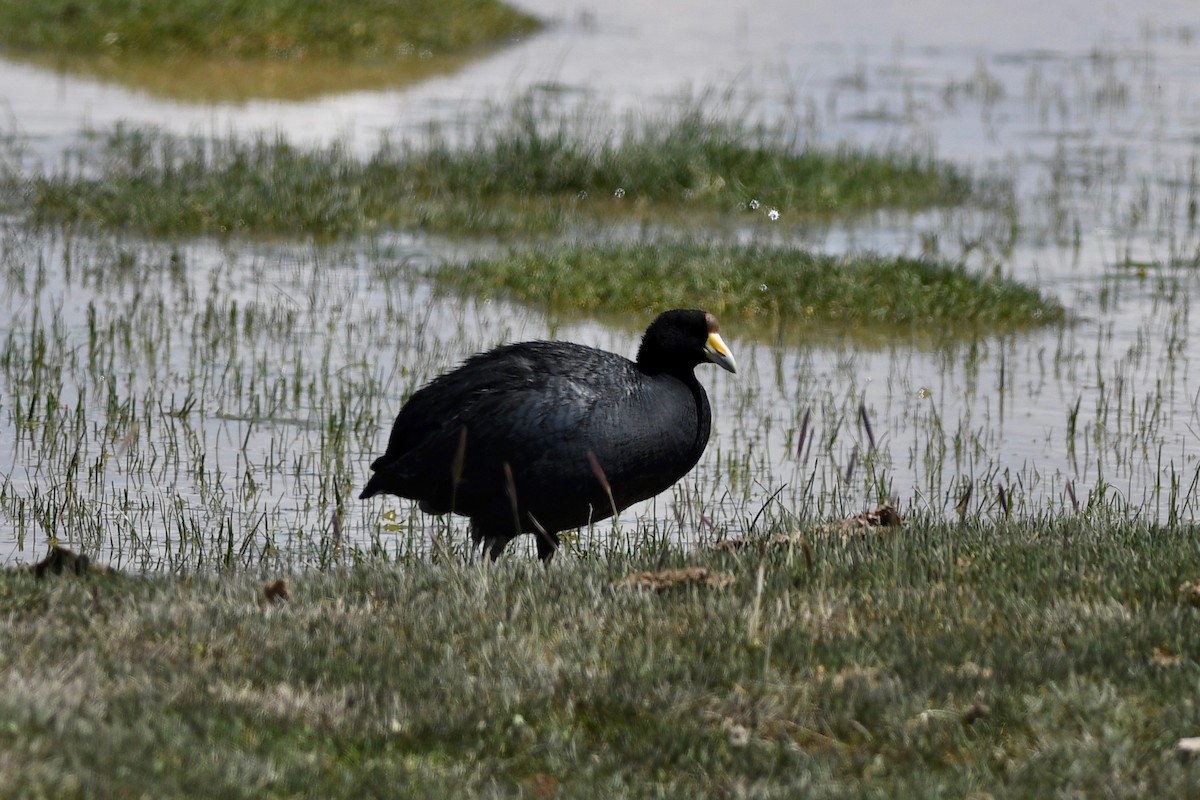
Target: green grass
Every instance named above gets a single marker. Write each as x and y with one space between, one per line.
762 285
530 172
271 29
695 160
223 51
1050 658
200 407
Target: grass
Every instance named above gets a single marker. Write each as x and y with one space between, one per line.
221 51
208 409
694 160
1051 657
530 172
270 29
195 426
194 406
759 286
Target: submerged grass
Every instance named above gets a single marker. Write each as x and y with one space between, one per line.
1038 659
759 284
530 172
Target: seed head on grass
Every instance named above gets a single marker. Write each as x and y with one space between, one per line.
598 471
276 591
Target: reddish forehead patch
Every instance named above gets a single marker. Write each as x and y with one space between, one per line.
713 327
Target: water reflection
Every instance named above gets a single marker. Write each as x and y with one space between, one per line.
235 81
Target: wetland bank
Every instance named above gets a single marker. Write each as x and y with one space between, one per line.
212 312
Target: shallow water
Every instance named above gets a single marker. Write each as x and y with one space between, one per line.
1092 111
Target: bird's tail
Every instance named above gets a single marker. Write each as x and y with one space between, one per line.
374 486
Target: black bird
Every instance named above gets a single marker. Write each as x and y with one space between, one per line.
542 437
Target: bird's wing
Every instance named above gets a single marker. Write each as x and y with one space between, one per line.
504 397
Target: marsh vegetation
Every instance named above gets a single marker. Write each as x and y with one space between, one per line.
980 315
532 170
278 48
1016 658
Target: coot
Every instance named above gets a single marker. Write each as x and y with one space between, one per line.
542 437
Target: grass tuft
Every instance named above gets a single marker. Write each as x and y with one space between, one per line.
267 29
692 161
285 49
531 172
767 285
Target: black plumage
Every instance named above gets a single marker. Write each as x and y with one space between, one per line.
542 437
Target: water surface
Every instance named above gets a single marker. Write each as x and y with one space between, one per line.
189 436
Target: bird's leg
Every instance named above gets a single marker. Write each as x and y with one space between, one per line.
547 543
494 546
488 542
477 539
